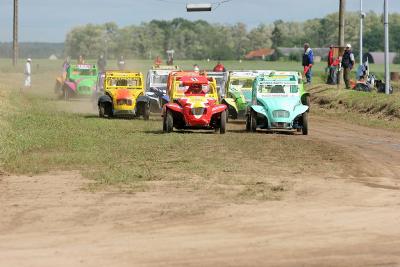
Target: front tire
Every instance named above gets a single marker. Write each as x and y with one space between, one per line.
305 123
168 122
146 112
102 110
253 121
308 103
222 128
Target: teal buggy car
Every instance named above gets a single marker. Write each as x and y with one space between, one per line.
277 103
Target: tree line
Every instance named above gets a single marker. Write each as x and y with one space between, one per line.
202 40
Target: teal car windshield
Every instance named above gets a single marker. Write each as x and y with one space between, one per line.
278 89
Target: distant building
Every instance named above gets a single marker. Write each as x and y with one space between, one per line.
53 57
260 54
378 57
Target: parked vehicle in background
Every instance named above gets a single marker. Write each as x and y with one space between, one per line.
193 104
156 86
123 95
80 81
276 103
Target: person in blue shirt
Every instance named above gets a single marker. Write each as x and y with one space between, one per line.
308 61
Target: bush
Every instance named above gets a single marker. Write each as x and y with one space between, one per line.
397 58
295 57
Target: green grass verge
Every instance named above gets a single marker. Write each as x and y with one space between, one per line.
370 109
134 153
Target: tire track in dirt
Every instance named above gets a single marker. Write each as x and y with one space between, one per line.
348 220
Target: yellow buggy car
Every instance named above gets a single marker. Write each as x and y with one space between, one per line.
124 95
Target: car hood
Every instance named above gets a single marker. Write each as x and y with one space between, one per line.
280 103
86 82
246 94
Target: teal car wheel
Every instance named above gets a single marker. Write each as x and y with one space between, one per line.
305 123
253 121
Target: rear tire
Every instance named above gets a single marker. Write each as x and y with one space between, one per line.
305 123
222 128
66 94
168 122
248 122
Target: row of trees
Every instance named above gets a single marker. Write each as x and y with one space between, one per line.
200 39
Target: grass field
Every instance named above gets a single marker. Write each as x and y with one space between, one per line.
43 134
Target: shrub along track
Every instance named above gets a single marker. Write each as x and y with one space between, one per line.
343 214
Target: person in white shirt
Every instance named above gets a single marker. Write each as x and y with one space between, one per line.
28 72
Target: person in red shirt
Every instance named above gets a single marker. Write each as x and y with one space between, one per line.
219 67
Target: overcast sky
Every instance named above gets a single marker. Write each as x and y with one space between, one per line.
50 20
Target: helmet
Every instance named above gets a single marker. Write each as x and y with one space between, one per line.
196 68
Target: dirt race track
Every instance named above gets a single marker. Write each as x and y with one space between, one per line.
50 220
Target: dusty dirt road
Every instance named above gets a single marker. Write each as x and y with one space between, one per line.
49 220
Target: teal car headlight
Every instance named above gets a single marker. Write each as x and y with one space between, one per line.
281 114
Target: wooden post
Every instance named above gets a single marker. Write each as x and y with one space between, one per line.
342 10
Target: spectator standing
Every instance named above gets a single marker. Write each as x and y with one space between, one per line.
28 72
121 63
348 61
308 61
81 60
219 67
101 63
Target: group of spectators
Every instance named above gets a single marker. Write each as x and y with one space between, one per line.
346 61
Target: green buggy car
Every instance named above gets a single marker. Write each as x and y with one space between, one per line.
277 103
238 92
80 81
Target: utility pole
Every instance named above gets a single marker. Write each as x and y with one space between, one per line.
387 71
362 16
15 33
342 10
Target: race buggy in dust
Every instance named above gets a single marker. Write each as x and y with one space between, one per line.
238 92
156 86
220 78
79 81
276 103
123 95
193 104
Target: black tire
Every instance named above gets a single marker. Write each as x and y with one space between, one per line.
146 111
253 121
102 110
168 124
66 94
305 123
222 126
308 103
248 122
